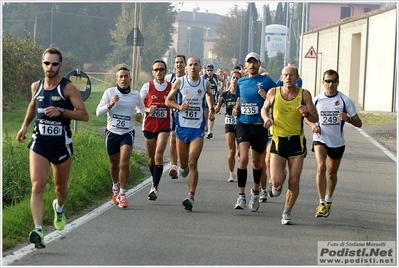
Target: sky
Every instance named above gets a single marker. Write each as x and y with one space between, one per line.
221 7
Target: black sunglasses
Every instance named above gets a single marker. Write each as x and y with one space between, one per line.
159 69
331 81
54 63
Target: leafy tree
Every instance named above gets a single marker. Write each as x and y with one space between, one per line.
157 29
80 28
22 58
233 34
280 14
275 66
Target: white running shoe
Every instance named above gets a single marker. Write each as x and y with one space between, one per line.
188 203
254 202
173 172
184 172
241 201
276 191
286 218
231 177
263 196
152 195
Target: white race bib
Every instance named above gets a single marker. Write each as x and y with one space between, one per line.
329 118
230 120
120 121
50 129
249 108
160 112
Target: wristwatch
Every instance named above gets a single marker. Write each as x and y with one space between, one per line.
62 110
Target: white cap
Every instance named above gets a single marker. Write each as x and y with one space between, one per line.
252 55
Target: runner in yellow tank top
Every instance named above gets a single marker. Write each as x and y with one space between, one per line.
289 106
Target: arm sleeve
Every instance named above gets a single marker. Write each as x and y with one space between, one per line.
102 107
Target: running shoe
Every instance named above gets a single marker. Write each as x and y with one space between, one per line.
241 201
36 237
328 208
321 211
209 135
115 193
276 191
231 178
269 189
286 218
188 203
59 218
254 202
184 172
152 194
263 196
173 172
122 200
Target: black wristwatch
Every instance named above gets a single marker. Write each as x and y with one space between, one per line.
62 110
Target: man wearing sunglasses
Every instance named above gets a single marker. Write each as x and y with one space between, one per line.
55 102
157 122
334 109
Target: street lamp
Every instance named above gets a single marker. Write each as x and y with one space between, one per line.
189 42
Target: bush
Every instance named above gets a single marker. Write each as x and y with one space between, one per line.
22 66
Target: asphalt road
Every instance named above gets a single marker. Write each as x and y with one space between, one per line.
161 232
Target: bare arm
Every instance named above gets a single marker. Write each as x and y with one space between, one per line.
219 105
266 108
209 100
307 109
79 113
29 116
170 100
354 120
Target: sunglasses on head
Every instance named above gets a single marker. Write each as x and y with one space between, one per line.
54 63
331 81
159 69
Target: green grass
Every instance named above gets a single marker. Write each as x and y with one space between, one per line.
89 181
377 118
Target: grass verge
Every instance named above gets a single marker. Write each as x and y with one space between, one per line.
89 181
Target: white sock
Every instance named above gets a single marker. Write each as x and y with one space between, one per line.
59 208
322 201
116 185
122 191
328 198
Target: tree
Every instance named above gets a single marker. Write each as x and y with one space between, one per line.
79 28
275 66
233 34
157 29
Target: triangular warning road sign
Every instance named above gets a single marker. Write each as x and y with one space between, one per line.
311 53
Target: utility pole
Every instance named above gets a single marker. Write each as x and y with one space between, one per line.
250 31
135 47
262 38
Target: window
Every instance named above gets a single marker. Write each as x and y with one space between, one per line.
345 12
367 9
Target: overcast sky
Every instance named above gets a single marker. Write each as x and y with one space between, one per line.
220 7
